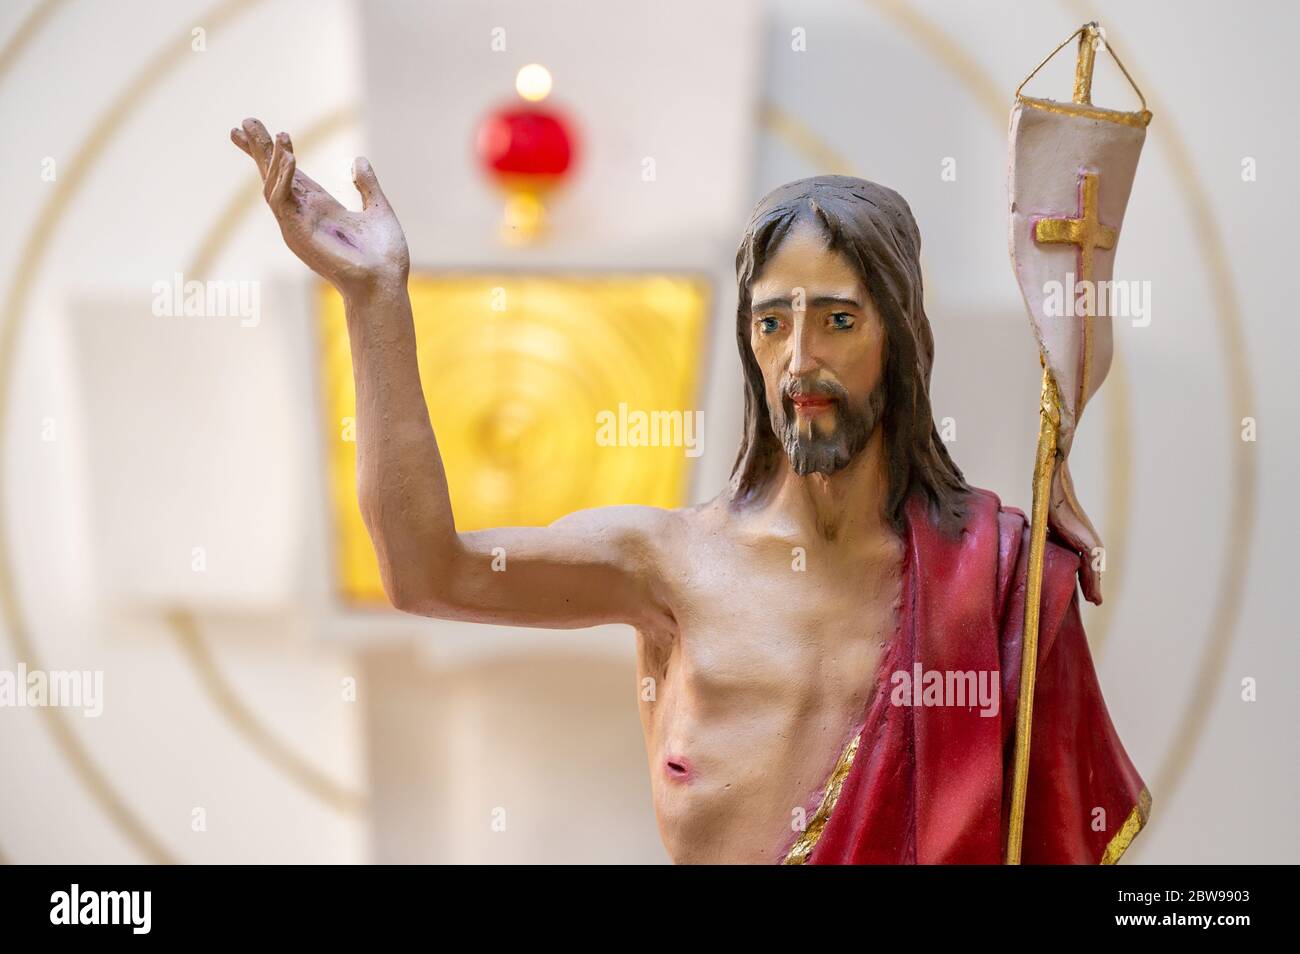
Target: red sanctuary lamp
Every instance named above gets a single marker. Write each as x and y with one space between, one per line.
528 150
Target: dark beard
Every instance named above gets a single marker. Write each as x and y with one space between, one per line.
853 428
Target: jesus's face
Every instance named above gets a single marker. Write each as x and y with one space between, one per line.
821 346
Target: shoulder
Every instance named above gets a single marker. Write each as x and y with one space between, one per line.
990 524
1060 568
626 530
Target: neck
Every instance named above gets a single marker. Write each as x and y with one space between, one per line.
844 507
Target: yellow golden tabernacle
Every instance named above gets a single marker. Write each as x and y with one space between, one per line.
519 371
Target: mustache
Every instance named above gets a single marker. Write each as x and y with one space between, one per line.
823 388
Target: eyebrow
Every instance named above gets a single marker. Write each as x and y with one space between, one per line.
770 303
820 301
836 300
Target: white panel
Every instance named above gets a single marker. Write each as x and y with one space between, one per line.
193 431
674 81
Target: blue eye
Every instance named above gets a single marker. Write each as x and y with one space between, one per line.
841 321
768 325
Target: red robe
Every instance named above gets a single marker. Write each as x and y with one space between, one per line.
932 784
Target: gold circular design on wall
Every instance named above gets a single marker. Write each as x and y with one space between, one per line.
84 156
28 28
198 655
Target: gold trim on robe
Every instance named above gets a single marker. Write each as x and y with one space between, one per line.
1136 821
803 847
806 842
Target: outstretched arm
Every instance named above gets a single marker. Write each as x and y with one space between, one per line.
592 567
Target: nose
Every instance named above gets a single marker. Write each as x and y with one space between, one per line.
803 358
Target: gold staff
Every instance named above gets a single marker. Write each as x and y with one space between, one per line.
1049 420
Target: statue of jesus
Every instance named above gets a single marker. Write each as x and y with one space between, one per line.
833 641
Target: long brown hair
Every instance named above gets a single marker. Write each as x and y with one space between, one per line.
873 227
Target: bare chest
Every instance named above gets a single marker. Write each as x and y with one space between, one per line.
785 621
748 704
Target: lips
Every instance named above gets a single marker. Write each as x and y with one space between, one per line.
811 402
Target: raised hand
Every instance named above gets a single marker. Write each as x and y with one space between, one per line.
356 252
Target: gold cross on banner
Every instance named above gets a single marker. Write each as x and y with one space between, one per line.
1087 232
